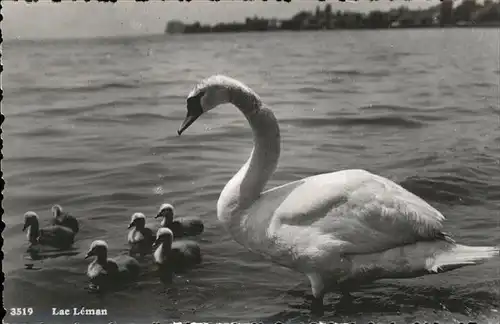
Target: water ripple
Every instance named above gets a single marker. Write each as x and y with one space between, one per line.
91 124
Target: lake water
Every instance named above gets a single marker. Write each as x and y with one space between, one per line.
91 125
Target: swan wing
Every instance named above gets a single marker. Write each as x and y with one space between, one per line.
351 212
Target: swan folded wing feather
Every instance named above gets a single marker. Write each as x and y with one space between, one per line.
257 230
351 212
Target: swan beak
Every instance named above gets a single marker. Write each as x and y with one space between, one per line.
89 254
25 226
158 215
190 118
156 243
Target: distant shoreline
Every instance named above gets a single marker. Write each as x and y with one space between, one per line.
468 14
471 26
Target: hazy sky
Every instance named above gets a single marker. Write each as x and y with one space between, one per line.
68 19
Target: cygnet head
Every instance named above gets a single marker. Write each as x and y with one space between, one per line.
98 248
208 94
30 218
138 220
164 235
56 210
166 211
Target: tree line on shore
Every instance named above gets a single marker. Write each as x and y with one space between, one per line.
467 13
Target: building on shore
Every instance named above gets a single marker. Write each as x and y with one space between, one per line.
175 27
446 13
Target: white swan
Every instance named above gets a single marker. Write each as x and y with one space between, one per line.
337 228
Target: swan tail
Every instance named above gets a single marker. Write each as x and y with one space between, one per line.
458 256
415 260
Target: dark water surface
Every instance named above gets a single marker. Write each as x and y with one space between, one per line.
92 125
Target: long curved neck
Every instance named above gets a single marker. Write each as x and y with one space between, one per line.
247 184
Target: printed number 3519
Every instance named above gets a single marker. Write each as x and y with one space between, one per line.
24 311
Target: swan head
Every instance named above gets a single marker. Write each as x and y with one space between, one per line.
56 210
98 248
30 218
137 220
208 94
164 235
166 211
